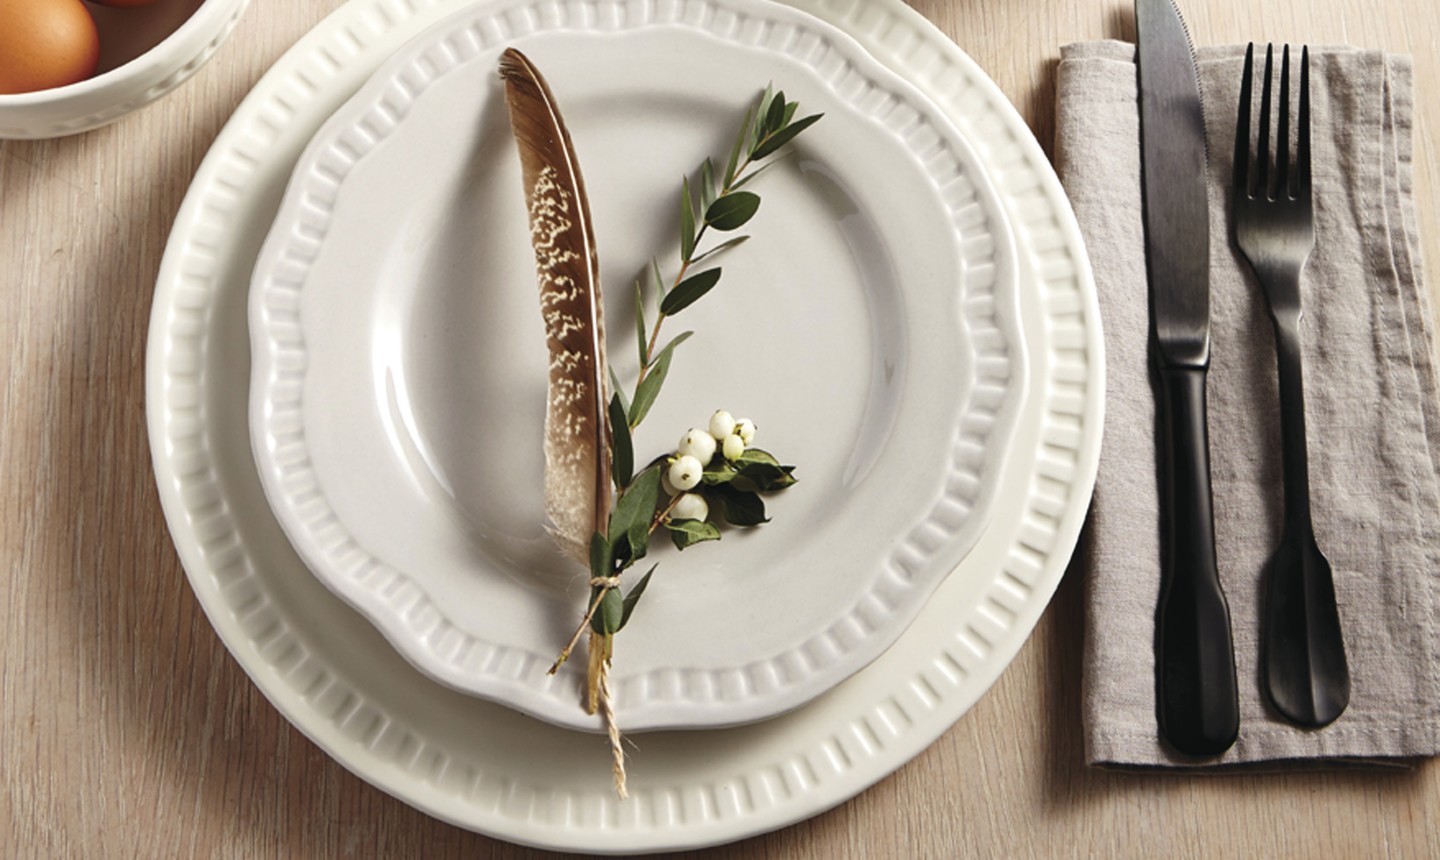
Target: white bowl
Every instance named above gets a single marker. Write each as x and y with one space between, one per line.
145 52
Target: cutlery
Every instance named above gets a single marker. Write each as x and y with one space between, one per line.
1197 698
1305 673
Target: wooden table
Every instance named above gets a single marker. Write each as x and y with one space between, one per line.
127 730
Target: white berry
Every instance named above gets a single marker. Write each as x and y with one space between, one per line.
691 506
734 447
746 430
698 444
665 484
722 424
685 472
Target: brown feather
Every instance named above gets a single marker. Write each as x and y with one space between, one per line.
577 433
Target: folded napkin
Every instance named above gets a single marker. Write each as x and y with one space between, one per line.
1371 408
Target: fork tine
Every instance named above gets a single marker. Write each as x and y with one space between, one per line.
1282 137
1302 148
1261 180
1241 172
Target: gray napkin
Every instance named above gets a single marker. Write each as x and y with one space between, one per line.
1371 410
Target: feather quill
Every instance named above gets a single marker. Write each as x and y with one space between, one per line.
577 433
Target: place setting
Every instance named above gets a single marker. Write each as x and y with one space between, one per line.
368 520
626 426
1266 602
398 393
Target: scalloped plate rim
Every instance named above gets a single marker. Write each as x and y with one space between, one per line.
876 24
309 521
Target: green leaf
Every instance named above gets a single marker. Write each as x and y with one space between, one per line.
659 281
722 475
620 553
789 113
775 115
723 246
601 561
649 387
608 617
687 221
689 290
744 484
619 390
756 455
639 540
734 161
763 109
739 507
758 468
764 477
642 339
732 211
757 127
784 136
633 597
687 533
707 184
622 456
635 508
677 340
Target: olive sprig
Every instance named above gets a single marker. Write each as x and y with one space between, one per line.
732 483
723 206
717 466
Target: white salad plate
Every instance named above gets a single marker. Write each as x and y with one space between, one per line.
870 327
489 767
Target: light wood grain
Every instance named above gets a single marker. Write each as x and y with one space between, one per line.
126 730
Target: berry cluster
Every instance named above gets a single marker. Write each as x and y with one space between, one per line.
696 453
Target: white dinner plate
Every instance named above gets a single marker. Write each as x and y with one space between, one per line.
870 327
487 767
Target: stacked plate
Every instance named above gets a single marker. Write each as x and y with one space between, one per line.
913 325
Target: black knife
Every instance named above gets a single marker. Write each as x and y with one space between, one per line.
1197 701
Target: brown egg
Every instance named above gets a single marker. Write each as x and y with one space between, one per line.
122 3
45 43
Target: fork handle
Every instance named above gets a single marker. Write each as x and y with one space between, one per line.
1198 700
1294 450
1306 674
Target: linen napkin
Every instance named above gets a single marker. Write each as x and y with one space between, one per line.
1373 423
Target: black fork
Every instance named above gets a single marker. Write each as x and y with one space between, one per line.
1305 673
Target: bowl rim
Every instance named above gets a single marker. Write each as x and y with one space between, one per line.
162 51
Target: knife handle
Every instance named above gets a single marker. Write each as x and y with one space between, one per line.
1198 702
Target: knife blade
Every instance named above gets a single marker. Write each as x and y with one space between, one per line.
1196 693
